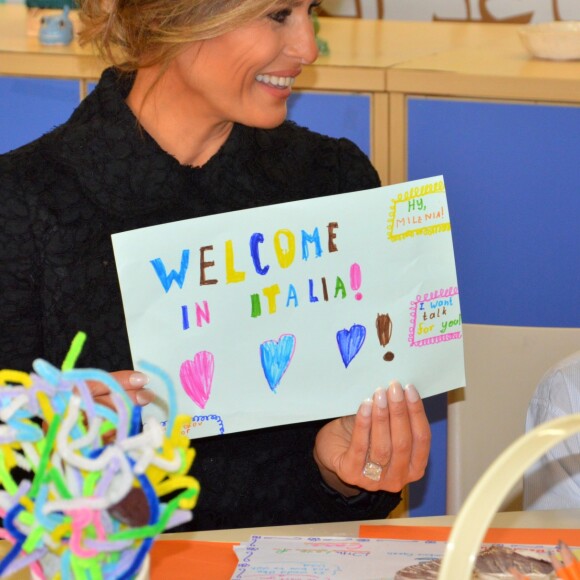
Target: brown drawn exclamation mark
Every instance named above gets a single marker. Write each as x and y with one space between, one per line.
384 331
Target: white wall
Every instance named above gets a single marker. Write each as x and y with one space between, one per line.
503 365
537 10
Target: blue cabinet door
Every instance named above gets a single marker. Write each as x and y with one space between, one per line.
31 107
512 174
336 115
513 185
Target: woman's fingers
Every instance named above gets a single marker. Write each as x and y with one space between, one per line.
390 434
399 441
421 433
132 382
384 446
357 447
380 448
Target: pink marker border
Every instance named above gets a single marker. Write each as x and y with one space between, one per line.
443 293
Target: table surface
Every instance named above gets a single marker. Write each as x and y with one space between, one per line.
455 59
531 519
361 51
540 519
352 42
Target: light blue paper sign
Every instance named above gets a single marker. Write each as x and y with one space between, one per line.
297 311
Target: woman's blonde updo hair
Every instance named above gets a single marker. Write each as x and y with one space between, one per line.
132 34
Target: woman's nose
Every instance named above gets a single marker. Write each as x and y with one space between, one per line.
303 43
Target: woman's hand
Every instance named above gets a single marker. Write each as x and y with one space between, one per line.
133 383
384 446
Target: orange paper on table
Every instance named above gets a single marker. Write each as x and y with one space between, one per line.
493 535
183 559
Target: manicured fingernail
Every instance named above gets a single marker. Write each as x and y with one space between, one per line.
396 392
366 408
381 397
412 394
144 397
138 379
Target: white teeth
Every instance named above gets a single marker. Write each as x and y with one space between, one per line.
275 81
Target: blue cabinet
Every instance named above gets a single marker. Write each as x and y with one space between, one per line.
512 174
30 107
513 185
336 115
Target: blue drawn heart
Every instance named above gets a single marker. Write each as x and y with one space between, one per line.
350 342
276 356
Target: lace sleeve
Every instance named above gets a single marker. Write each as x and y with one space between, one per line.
20 313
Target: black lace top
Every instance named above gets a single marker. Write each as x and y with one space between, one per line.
61 198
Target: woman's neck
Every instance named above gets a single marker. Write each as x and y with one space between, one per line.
173 119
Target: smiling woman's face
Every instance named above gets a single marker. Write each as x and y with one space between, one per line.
246 75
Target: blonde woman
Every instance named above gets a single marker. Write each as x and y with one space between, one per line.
190 121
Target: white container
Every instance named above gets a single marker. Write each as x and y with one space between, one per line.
558 40
144 571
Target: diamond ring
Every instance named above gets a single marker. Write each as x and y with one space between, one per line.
372 470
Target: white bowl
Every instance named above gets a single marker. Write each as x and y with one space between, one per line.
558 40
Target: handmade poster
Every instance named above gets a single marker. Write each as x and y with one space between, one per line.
297 311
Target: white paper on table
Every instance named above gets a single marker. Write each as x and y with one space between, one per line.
338 558
276 558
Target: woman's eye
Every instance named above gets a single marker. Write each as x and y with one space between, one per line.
281 15
313 7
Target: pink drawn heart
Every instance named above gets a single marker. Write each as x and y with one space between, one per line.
196 377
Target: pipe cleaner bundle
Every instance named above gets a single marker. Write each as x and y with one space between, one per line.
81 484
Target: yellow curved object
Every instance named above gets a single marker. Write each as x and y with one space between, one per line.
485 498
